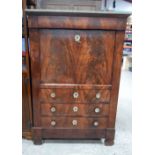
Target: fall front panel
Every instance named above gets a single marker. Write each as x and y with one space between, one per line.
76 56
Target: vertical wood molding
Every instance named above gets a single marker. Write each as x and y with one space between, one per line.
116 77
35 73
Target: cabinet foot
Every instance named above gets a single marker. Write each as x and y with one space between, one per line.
37 141
109 142
37 136
109 139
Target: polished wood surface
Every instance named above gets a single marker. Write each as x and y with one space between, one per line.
35 75
80 110
69 61
76 22
82 123
64 95
75 71
116 78
26 106
70 133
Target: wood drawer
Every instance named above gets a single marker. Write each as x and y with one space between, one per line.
73 122
66 95
74 109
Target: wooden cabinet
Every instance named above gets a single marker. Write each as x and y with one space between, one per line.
26 105
75 68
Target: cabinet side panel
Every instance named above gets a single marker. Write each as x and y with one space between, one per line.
116 77
25 105
35 73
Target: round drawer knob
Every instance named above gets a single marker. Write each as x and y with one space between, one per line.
77 38
96 123
98 95
53 95
53 123
74 122
97 110
75 94
53 109
75 109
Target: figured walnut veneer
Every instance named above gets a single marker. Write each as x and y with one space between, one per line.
75 68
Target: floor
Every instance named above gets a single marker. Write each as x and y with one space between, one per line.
94 147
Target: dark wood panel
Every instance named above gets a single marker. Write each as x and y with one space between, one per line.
35 74
95 110
77 22
67 122
37 135
64 60
73 133
26 106
116 78
64 95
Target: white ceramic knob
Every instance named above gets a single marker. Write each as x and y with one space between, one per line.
53 123
96 123
75 94
77 37
53 109
74 122
97 110
53 95
98 95
75 109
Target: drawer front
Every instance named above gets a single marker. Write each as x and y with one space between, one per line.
62 95
73 122
76 56
74 110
